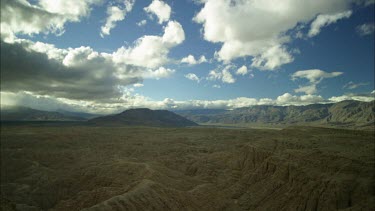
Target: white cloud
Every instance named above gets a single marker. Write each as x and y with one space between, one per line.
115 14
366 98
202 59
242 70
160 9
314 76
352 85
272 58
161 72
288 99
45 16
308 89
224 75
216 86
190 59
323 20
151 51
174 33
68 8
258 28
138 85
214 75
227 77
133 100
192 76
142 23
366 29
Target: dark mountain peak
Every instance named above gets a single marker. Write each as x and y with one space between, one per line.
145 117
136 111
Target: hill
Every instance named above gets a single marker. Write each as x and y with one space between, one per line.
144 117
341 114
20 113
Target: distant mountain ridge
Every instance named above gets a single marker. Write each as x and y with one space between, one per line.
21 113
144 117
345 114
341 114
78 114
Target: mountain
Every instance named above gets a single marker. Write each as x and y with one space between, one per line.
341 114
20 113
144 117
78 114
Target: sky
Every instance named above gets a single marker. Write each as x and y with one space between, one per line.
105 56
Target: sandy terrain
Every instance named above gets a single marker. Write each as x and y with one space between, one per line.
129 168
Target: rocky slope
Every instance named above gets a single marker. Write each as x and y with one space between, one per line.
342 114
144 117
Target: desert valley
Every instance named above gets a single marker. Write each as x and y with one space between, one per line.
157 160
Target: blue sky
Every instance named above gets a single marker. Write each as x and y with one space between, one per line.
69 55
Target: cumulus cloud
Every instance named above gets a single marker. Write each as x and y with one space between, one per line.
366 29
272 58
224 75
152 51
192 76
323 20
79 73
227 76
190 59
352 85
242 70
138 85
314 76
142 23
115 14
132 100
22 17
258 28
288 99
161 72
308 89
160 9
352 96
74 73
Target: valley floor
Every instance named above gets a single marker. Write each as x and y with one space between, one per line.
53 167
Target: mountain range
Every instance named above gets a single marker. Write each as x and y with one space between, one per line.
345 114
342 114
21 113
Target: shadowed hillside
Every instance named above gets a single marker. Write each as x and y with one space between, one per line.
20 113
144 117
